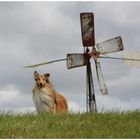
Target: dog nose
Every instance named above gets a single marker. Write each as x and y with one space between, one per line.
40 85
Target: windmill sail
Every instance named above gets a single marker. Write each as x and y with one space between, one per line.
44 63
132 59
101 78
87 29
76 60
110 46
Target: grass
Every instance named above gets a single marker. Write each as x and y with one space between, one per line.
80 125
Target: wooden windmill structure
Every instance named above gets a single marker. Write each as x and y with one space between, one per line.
95 51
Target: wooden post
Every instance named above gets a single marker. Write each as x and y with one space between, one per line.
90 99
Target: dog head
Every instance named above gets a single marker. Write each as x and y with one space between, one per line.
41 80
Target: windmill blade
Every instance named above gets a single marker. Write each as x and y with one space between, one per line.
110 46
132 59
76 60
100 78
87 29
44 63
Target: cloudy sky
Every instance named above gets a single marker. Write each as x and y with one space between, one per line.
34 32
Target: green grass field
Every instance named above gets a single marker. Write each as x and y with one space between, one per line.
80 125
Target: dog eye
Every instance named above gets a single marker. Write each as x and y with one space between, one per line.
37 79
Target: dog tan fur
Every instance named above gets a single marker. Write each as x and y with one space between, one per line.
45 98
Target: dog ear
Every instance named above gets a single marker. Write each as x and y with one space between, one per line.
47 75
36 74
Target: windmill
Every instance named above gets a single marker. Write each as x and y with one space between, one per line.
95 51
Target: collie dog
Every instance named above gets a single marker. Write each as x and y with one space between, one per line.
45 98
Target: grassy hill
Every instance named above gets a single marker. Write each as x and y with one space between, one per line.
80 125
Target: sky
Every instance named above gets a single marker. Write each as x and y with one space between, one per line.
34 32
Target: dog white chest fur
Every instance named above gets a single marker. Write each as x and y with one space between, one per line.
43 101
45 98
